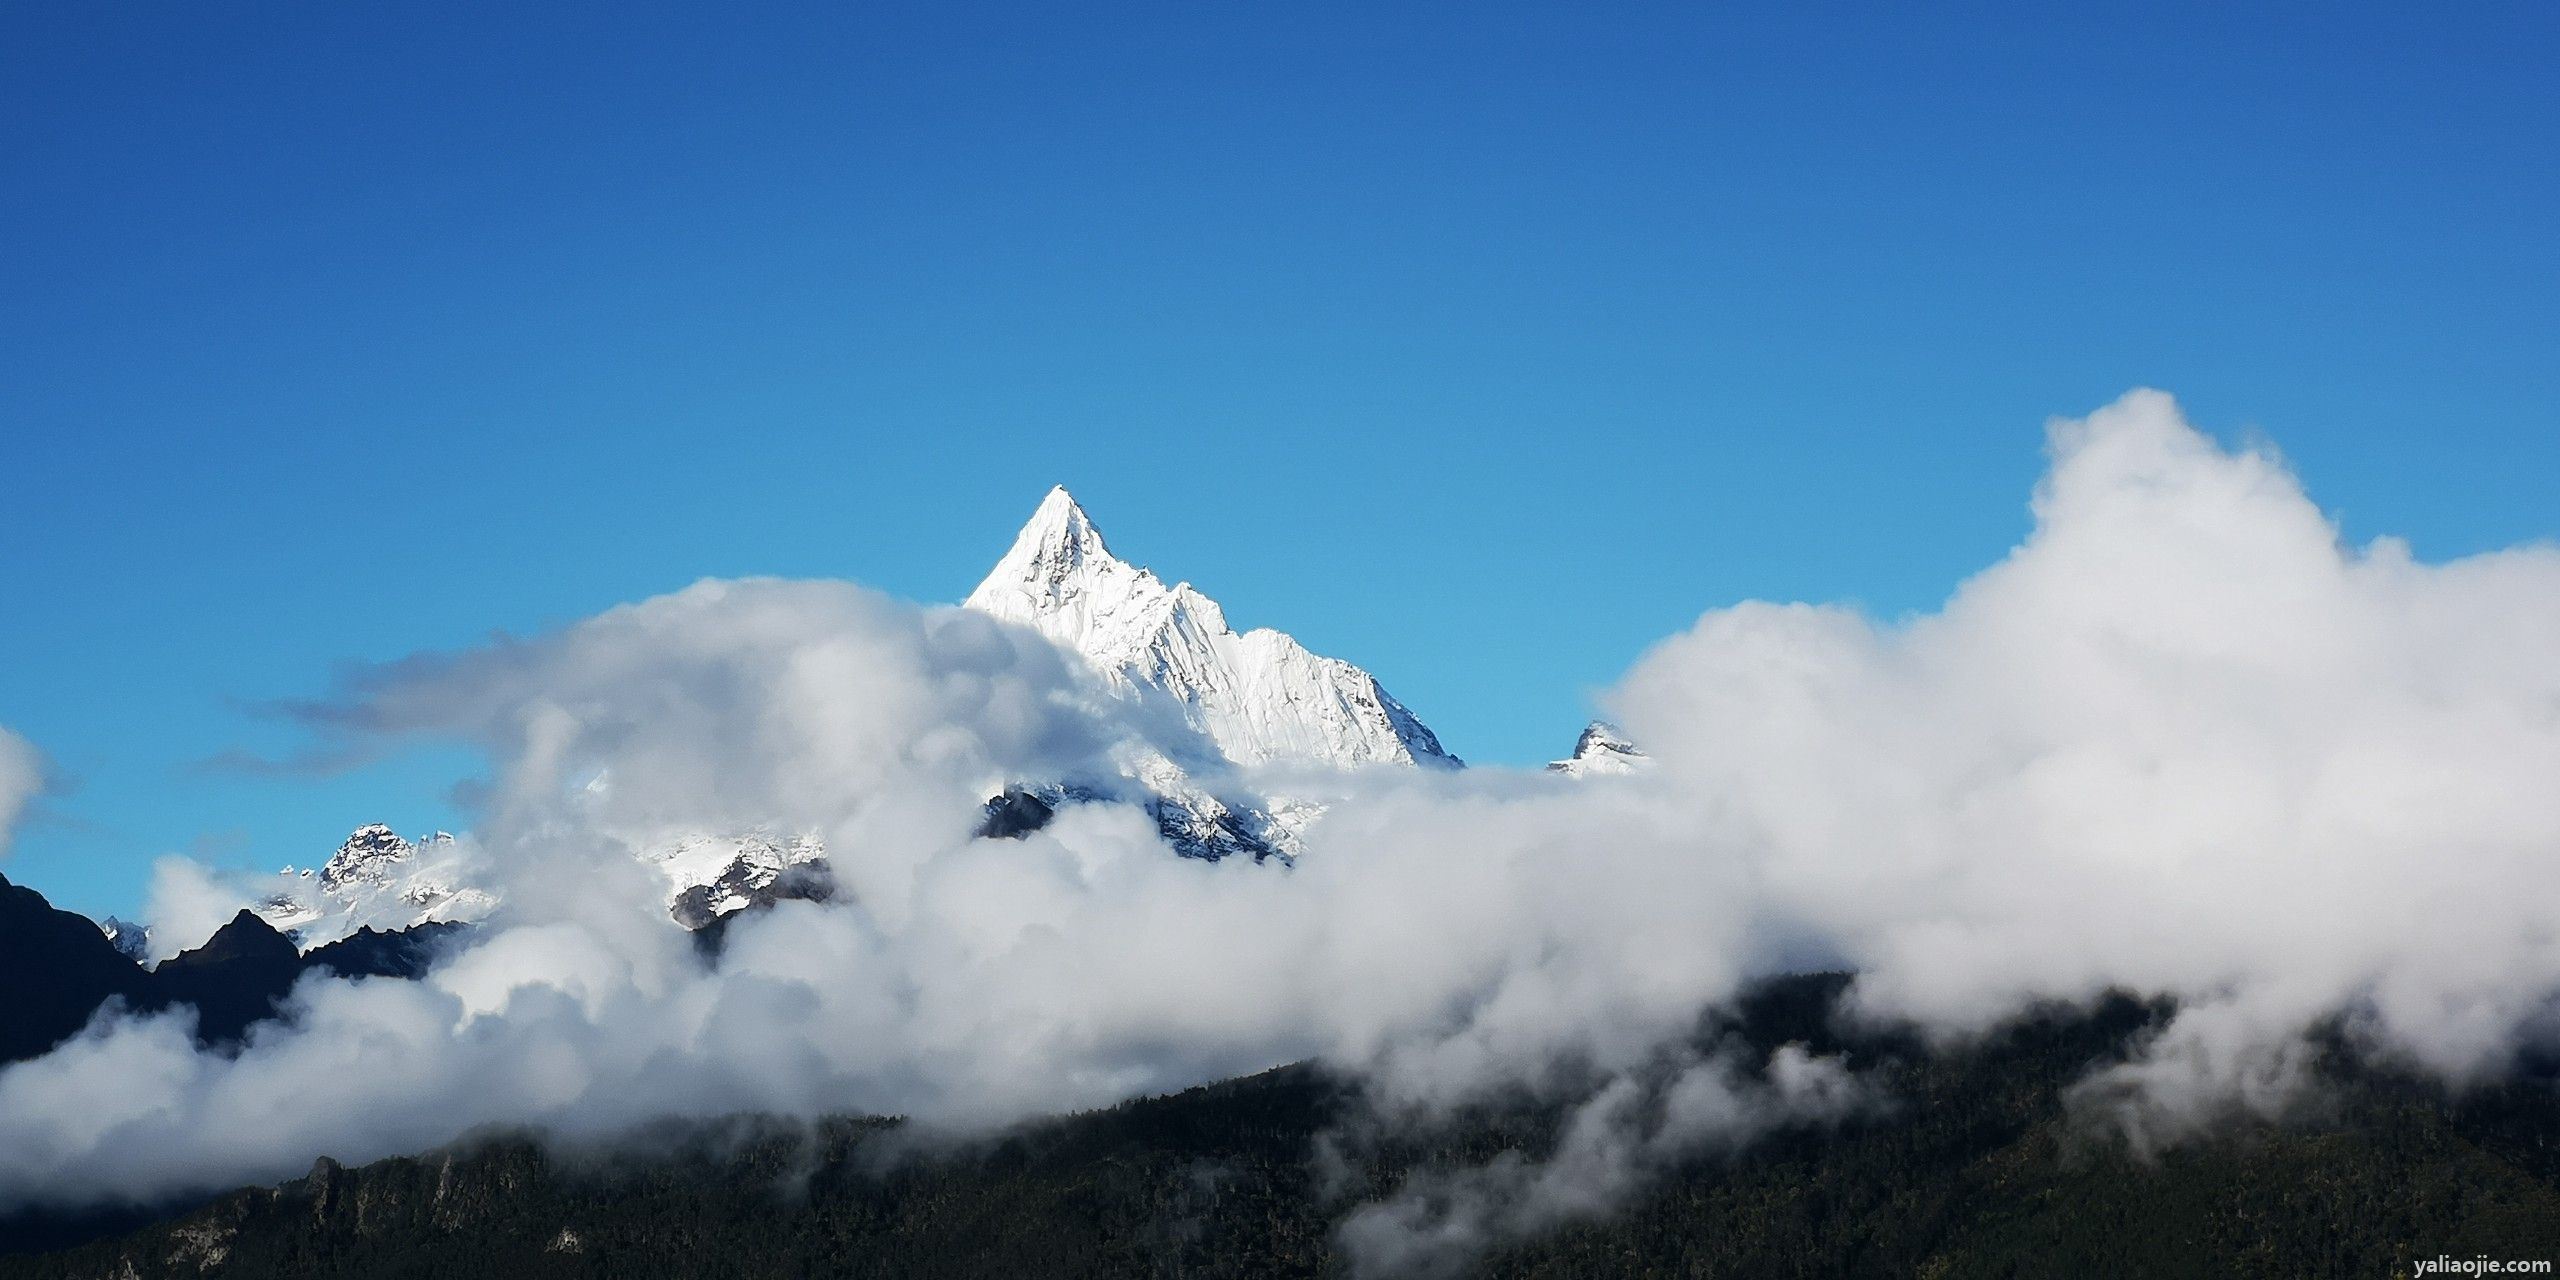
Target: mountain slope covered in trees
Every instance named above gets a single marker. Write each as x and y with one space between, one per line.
1976 1167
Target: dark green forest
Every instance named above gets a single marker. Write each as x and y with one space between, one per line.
1976 1167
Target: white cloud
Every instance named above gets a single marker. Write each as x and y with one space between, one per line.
2180 741
186 905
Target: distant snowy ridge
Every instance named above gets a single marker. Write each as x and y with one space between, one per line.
380 880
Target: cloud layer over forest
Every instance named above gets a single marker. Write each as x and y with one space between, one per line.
2180 742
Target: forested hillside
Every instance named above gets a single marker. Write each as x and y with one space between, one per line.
1975 1169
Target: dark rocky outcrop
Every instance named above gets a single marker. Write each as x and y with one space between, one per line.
811 881
1014 814
56 968
236 978
384 953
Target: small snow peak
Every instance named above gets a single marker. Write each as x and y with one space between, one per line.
368 856
130 938
1601 749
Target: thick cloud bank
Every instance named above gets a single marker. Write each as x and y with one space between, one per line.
2179 741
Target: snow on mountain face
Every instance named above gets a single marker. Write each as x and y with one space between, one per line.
709 876
379 880
1601 751
1260 696
1195 823
372 856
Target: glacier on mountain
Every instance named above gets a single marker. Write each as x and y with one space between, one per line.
1260 696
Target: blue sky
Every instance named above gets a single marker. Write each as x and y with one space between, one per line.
1481 345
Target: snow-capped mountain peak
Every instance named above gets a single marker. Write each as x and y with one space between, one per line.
1058 539
376 878
1260 696
372 854
1061 577
1601 750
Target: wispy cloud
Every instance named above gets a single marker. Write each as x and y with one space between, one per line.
21 777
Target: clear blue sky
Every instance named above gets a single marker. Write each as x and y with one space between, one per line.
1480 345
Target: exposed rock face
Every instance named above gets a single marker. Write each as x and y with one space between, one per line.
1015 814
745 887
132 939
